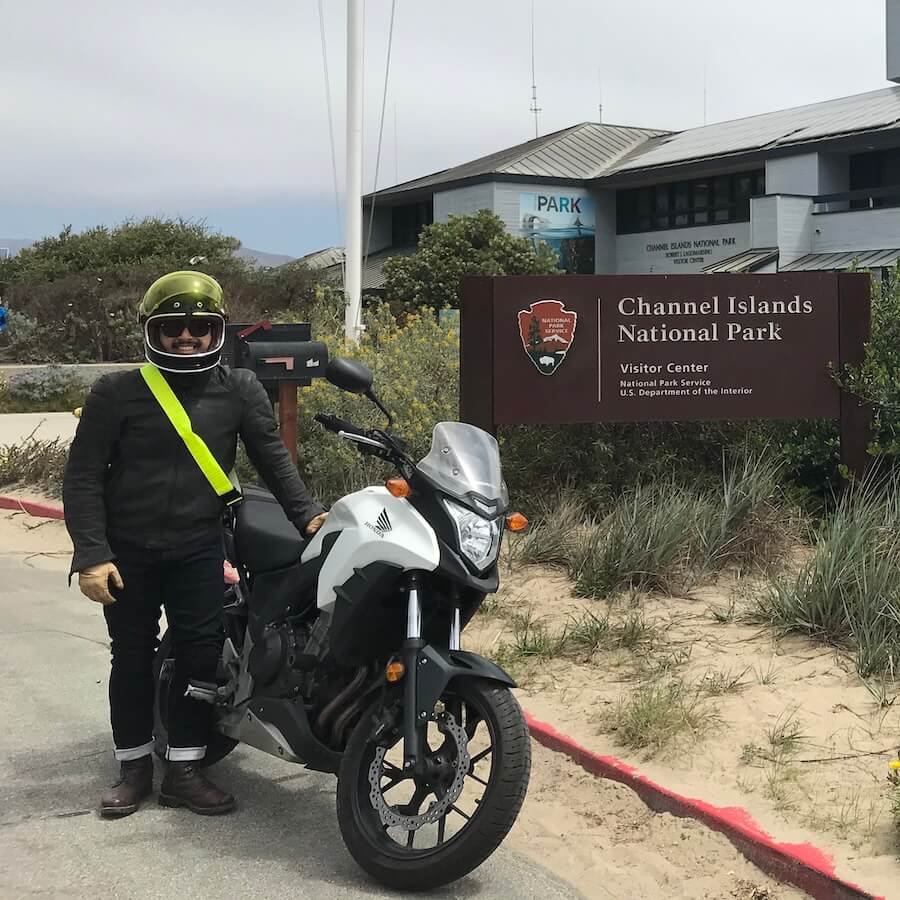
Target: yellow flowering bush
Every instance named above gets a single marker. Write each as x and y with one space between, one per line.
416 374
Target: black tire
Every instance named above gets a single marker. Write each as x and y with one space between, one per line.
419 870
218 745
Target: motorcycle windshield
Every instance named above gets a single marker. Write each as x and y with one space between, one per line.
464 462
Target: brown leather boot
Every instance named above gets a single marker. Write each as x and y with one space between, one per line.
135 782
184 785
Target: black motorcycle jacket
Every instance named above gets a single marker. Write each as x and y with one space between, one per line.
130 479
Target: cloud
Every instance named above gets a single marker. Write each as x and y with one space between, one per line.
205 105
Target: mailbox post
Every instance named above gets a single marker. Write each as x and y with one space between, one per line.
284 359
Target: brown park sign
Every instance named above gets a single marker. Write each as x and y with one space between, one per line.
642 348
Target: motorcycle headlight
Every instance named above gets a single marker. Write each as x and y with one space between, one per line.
479 538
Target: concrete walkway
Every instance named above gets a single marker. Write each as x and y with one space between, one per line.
16 427
55 760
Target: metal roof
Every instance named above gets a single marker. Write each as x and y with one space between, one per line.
872 111
579 152
322 259
373 267
861 259
372 270
748 261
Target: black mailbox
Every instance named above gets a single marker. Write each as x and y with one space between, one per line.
276 353
283 358
275 361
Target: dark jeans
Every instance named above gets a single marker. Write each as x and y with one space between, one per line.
190 586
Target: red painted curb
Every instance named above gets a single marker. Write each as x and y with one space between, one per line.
801 865
32 507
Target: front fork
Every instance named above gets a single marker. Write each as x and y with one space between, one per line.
415 721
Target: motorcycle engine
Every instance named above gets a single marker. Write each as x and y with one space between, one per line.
277 662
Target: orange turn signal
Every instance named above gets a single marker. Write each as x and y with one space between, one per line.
516 522
394 671
398 487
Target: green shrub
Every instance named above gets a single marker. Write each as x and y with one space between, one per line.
848 591
876 380
152 243
550 537
601 461
643 543
48 389
476 244
663 534
744 522
28 341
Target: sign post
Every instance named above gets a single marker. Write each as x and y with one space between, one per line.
656 348
284 359
287 416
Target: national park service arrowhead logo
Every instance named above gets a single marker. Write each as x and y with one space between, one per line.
547 330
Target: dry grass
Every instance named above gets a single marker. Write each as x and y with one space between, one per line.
658 714
34 463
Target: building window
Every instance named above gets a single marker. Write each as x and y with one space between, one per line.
408 221
874 170
683 204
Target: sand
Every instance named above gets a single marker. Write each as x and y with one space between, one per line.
803 791
599 836
39 542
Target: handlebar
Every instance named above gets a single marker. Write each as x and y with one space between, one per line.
335 424
371 443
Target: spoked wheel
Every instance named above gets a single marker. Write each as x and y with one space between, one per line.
218 746
415 832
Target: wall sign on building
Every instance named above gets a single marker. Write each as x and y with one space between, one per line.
662 348
680 251
565 221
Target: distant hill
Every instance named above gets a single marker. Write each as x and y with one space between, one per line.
261 258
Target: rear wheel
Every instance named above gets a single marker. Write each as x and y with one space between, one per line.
218 745
416 832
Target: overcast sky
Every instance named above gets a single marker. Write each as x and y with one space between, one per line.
216 110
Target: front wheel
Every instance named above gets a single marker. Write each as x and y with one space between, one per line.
416 832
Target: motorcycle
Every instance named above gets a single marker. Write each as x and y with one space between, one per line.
343 652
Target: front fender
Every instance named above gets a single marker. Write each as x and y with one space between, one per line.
438 666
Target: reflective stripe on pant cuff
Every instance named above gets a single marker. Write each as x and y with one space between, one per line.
185 754
134 752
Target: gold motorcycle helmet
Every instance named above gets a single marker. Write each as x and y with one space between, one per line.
183 299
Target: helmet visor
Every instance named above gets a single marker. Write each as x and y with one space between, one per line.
187 332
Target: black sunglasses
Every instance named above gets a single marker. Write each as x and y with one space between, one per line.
198 328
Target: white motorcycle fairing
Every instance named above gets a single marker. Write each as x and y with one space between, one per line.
375 527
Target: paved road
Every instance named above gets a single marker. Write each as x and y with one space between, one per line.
15 427
54 761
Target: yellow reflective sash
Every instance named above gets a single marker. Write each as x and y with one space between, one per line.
195 444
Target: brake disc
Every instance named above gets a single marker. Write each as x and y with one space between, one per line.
389 816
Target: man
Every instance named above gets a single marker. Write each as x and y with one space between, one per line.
145 522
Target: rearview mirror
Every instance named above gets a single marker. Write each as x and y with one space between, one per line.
349 375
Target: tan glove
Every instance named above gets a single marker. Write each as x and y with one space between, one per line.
316 523
94 582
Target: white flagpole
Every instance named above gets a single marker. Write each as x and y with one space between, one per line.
353 234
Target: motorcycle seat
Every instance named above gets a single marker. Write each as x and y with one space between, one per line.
263 537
